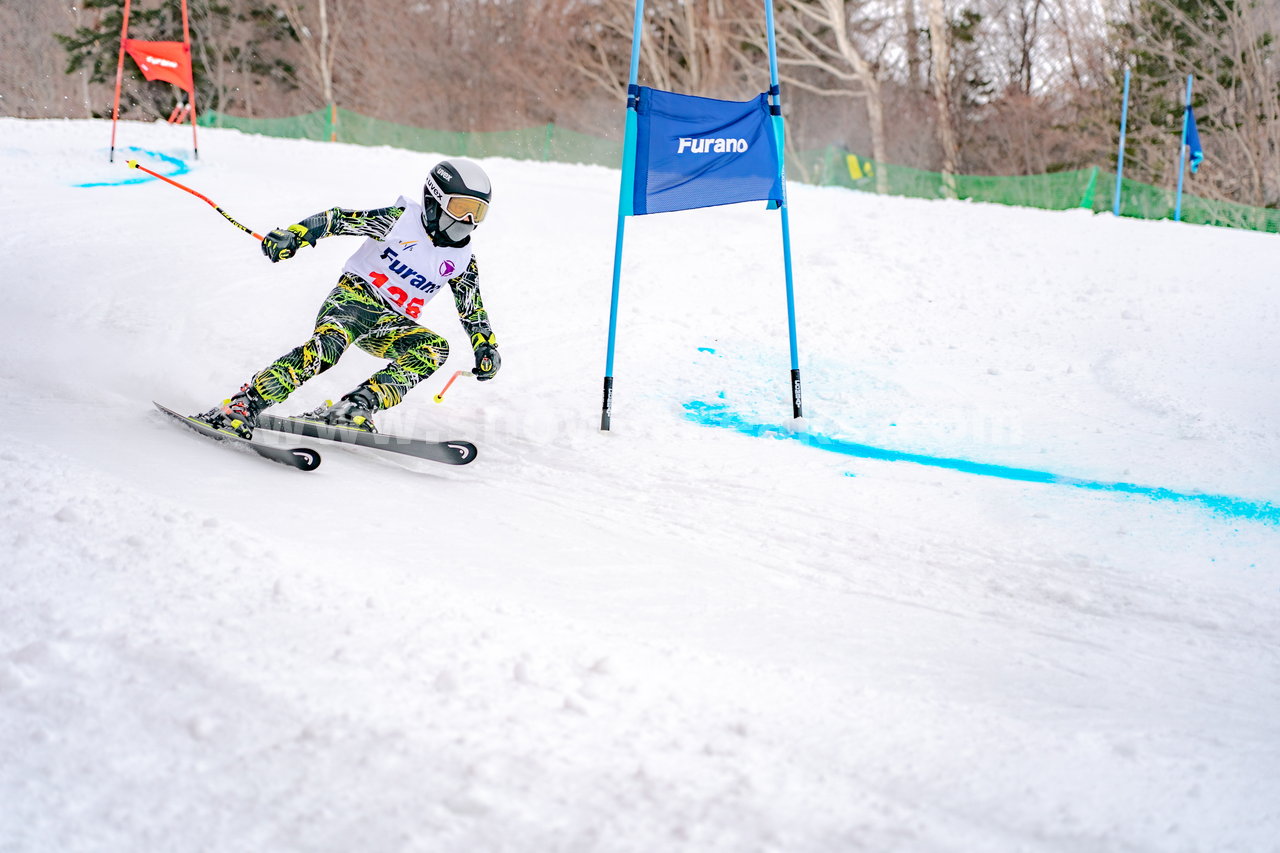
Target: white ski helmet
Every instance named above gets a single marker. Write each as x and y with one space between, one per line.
455 199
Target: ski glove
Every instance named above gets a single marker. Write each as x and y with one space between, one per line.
487 361
283 243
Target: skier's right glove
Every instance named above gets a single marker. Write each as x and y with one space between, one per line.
283 243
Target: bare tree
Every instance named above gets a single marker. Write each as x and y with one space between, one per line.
940 51
819 52
74 15
1030 86
1228 46
32 79
912 44
320 34
466 65
239 47
689 47
1021 21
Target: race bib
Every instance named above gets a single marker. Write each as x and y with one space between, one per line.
405 268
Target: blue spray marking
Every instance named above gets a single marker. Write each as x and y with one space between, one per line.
718 415
179 167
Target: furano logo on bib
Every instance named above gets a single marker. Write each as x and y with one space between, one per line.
712 145
406 272
447 268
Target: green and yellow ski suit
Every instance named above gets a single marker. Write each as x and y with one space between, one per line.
364 310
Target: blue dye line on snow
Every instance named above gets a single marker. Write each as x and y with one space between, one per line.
719 415
179 167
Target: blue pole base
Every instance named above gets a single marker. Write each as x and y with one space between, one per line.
606 408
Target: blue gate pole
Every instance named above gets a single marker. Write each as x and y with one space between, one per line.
1124 122
775 95
625 195
1182 152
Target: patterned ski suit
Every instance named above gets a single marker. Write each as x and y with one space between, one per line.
376 303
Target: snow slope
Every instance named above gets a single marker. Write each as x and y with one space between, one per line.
1016 589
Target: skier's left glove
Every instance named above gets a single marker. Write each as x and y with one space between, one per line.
283 243
487 359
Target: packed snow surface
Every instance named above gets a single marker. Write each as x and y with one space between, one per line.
1013 585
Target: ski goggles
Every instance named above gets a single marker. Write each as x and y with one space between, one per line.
460 207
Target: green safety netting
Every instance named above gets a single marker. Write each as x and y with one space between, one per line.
1092 189
547 142
1056 191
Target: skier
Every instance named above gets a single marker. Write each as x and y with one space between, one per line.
411 253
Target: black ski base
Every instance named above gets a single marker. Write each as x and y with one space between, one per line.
446 452
302 458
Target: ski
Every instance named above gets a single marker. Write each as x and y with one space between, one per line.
302 458
447 452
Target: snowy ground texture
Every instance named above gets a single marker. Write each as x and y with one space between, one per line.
1018 588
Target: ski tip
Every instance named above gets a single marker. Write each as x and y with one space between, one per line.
465 450
305 458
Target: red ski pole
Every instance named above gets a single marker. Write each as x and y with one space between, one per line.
439 398
133 164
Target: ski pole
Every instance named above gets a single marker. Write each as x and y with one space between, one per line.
133 164
439 398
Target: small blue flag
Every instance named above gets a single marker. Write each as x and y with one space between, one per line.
700 152
1193 140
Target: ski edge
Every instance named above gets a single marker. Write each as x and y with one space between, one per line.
302 458
456 452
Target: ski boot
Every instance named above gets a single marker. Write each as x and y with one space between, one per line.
238 415
354 411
